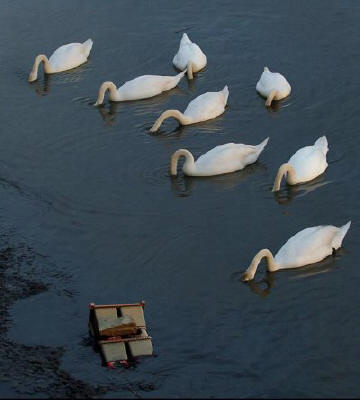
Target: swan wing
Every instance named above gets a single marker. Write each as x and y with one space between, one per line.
322 144
146 86
68 56
87 46
225 158
308 246
206 106
309 162
185 40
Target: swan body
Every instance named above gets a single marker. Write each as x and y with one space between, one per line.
222 159
64 58
189 56
206 106
142 87
272 86
308 246
305 165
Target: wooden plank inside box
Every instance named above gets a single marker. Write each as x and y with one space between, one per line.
119 348
103 317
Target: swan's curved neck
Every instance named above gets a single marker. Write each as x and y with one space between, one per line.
168 114
284 169
47 67
103 89
189 160
270 98
190 70
249 274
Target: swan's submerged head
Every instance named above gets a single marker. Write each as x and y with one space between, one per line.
247 276
32 76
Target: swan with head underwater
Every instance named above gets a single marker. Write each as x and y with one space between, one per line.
208 105
221 159
305 165
189 56
308 246
64 58
272 86
142 87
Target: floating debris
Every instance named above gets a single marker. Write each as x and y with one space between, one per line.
120 331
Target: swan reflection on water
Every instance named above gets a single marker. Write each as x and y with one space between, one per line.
183 185
191 83
109 110
43 85
263 286
277 105
108 113
208 127
290 192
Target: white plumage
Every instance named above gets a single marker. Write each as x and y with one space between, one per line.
308 246
272 86
306 164
221 159
189 56
64 58
206 106
142 87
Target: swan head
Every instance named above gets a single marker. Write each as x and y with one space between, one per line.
32 76
247 276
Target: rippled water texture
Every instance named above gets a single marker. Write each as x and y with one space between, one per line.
89 189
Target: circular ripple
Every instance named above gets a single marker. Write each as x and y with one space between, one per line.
156 176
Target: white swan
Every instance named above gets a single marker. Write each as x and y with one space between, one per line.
206 106
142 87
189 56
308 246
305 165
272 86
222 159
65 57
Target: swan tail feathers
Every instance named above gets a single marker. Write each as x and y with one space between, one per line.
87 45
266 69
226 93
260 147
322 144
176 79
339 237
185 39
181 75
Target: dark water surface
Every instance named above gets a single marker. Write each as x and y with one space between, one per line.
88 190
